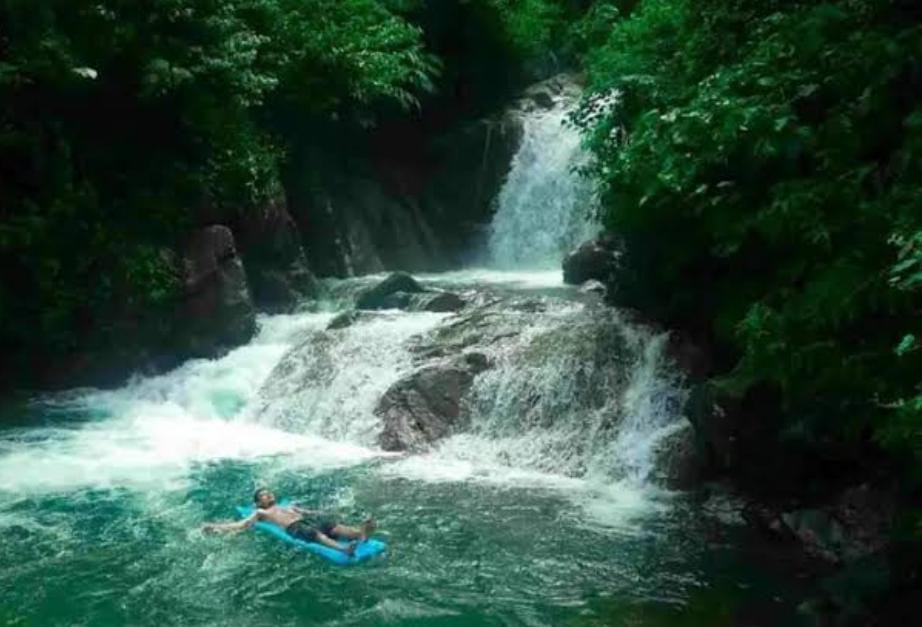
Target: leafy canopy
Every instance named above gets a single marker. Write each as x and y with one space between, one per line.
762 160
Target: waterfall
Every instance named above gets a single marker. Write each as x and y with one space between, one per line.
329 383
573 391
545 208
575 394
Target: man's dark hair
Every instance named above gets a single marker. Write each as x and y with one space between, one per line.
257 494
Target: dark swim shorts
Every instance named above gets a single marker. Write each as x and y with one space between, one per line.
307 528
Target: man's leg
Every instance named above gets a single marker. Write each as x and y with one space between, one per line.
354 533
327 541
302 531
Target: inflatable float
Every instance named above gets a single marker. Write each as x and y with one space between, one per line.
363 550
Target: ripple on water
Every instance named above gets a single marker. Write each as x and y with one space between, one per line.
100 507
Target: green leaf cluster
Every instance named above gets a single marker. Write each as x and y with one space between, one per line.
763 161
124 122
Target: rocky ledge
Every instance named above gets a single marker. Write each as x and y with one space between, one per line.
401 291
427 405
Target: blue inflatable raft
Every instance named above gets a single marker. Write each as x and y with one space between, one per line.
363 551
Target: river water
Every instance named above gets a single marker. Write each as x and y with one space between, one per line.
546 508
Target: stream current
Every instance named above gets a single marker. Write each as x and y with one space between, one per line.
545 507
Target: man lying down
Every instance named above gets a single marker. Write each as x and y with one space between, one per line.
304 524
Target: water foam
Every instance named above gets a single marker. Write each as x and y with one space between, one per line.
330 383
155 430
574 405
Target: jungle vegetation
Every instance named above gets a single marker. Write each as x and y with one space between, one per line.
760 159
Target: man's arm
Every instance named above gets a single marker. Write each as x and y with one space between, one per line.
232 527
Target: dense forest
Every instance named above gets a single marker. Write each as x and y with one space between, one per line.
127 124
762 162
759 161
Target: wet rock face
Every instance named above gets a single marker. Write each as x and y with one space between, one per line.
472 330
678 460
217 311
694 358
276 265
353 223
424 206
733 431
593 260
470 165
427 405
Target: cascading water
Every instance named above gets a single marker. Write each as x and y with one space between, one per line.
576 399
545 208
540 508
329 383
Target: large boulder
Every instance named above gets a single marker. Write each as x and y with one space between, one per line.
438 302
385 295
216 311
427 405
211 312
593 260
276 265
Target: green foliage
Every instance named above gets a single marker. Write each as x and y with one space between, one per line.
122 121
548 35
530 25
762 160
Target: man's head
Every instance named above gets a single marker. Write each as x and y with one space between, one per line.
264 498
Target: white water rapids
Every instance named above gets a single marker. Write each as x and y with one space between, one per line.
576 402
530 426
543 506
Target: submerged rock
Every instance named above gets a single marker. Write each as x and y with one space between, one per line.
427 405
472 330
593 260
440 302
346 319
384 294
397 300
217 311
